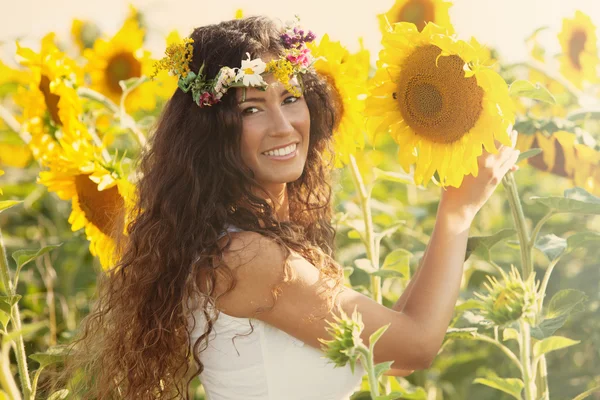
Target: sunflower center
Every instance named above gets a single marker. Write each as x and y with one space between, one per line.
100 207
438 103
419 12
120 67
50 99
576 46
338 102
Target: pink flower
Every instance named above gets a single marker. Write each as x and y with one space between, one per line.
302 58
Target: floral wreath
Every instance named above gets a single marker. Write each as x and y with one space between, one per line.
206 92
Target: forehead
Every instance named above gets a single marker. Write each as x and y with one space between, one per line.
274 86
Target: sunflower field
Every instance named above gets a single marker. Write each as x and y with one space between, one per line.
75 112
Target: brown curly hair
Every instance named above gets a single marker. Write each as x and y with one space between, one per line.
135 343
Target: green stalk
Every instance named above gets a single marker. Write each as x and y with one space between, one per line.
370 367
16 322
7 382
519 219
526 245
525 351
365 200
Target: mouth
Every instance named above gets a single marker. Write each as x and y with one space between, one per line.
284 153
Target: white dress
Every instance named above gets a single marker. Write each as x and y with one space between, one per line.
269 364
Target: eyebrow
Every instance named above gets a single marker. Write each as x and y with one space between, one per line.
261 99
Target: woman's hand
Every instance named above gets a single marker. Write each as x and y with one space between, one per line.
468 199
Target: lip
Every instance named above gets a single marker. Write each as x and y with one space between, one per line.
280 147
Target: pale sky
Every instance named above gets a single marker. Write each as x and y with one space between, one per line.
500 23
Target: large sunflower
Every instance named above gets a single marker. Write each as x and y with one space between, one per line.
440 115
51 107
346 74
121 58
579 58
419 12
98 195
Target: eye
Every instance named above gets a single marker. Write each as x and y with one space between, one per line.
250 110
293 98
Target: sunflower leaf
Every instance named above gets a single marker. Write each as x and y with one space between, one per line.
551 344
26 331
399 261
382 367
511 386
482 245
53 355
551 245
6 204
576 200
565 302
523 88
581 239
59 395
528 154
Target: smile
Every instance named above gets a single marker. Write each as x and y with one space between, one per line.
284 153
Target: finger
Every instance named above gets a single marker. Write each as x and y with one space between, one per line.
510 161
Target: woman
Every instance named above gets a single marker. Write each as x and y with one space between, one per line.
232 241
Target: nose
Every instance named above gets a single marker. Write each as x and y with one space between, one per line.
280 123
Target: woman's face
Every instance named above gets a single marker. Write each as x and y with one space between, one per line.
274 120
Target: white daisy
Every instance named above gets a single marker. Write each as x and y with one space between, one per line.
251 71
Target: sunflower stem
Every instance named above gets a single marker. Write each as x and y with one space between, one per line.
127 120
543 287
370 367
365 205
525 351
519 219
538 227
7 381
15 318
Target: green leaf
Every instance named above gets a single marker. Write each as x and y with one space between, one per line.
26 331
551 245
552 343
470 305
376 335
392 176
398 260
528 154
575 200
586 394
581 239
510 333
565 302
382 367
127 84
510 386
6 204
364 264
547 327
22 257
461 333
418 394
523 88
481 245
59 395
53 355
387 273
4 318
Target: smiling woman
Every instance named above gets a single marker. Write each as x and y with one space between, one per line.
228 260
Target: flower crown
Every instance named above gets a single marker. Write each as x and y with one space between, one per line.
206 92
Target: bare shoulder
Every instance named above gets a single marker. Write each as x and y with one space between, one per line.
301 307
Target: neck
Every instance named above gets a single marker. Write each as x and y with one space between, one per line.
276 196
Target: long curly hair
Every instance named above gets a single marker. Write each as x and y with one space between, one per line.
135 342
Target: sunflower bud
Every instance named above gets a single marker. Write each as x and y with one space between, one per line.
510 299
345 333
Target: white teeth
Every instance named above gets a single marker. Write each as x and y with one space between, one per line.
281 152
